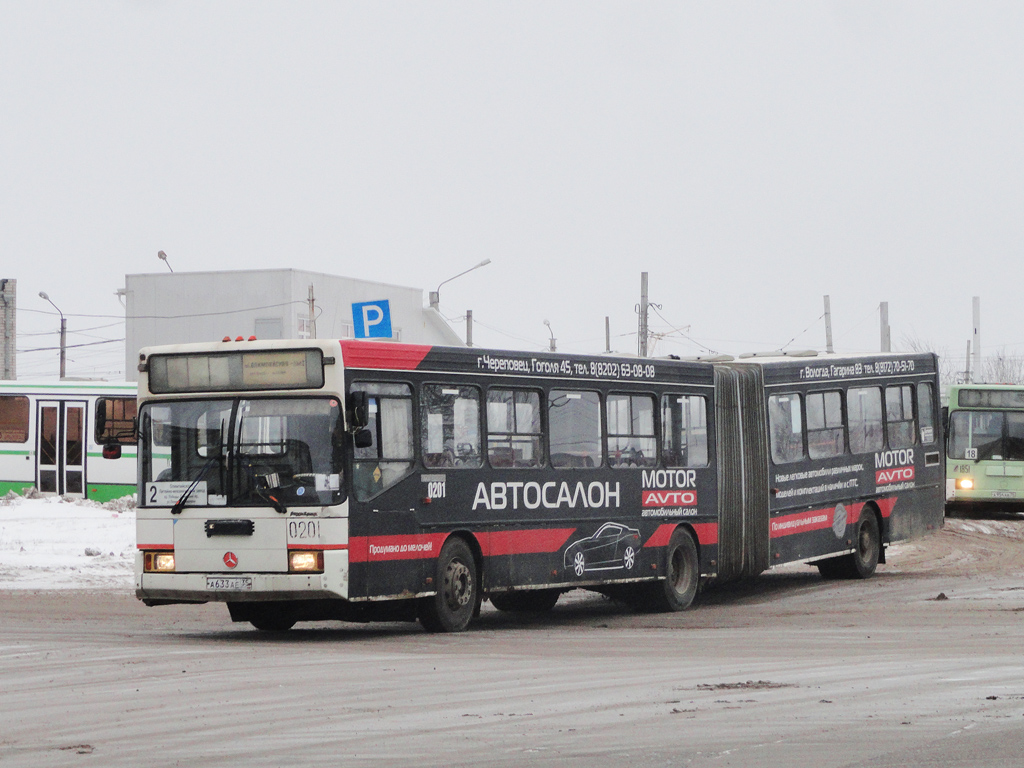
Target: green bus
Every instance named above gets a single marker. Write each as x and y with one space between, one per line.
51 438
985 444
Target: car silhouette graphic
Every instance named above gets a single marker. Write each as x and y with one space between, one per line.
613 547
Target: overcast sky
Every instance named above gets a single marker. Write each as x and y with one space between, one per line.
751 157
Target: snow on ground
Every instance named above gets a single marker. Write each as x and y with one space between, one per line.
50 543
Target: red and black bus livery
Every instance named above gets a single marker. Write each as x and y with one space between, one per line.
303 480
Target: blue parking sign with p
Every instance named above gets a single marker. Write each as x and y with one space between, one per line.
372 319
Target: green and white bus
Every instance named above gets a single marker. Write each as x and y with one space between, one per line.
985 444
50 441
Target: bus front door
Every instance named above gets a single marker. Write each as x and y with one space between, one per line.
60 447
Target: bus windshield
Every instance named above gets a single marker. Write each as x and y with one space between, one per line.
981 435
279 452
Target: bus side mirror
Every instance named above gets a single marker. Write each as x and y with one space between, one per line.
364 438
359 409
111 451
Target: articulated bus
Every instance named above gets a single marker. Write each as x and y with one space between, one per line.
985 445
356 480
47 440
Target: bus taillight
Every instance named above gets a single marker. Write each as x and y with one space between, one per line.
306 562
159 562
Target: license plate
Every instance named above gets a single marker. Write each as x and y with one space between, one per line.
229 583
1004 494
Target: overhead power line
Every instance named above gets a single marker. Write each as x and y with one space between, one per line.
169 317
69 346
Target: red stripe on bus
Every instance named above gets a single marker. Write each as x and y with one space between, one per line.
817 519
707 533
384 356
539 540
154 546
853 513
886 505
814 520
371 549
661 535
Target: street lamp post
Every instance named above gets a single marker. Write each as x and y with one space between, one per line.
552 343
163 257
63 334
435 296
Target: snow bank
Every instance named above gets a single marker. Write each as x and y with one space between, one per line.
50 543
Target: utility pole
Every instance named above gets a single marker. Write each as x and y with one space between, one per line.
607 334
642 330
976 305
8 335
828 325
884 326
63 334
63 347
967 369
469 327
551 344
312 310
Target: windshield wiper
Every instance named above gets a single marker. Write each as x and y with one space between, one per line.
265 495
986 451
262 485
180 503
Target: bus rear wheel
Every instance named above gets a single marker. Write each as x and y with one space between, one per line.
677 591
861 563
531 601
457 598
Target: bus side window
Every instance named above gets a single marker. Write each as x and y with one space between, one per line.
926 412
785 425
1014 448
389 458
684 431
864 412
825 434
513 428
574 425
899 416
118 425
13 419
631 441
450 425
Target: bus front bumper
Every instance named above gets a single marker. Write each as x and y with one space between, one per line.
156 588
958 495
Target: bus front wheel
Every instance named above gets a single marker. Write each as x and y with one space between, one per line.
452 607
868 550
271 620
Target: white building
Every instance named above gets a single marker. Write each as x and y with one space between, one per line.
180 307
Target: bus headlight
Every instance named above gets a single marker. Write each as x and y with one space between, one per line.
965 483
306 562
159 562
